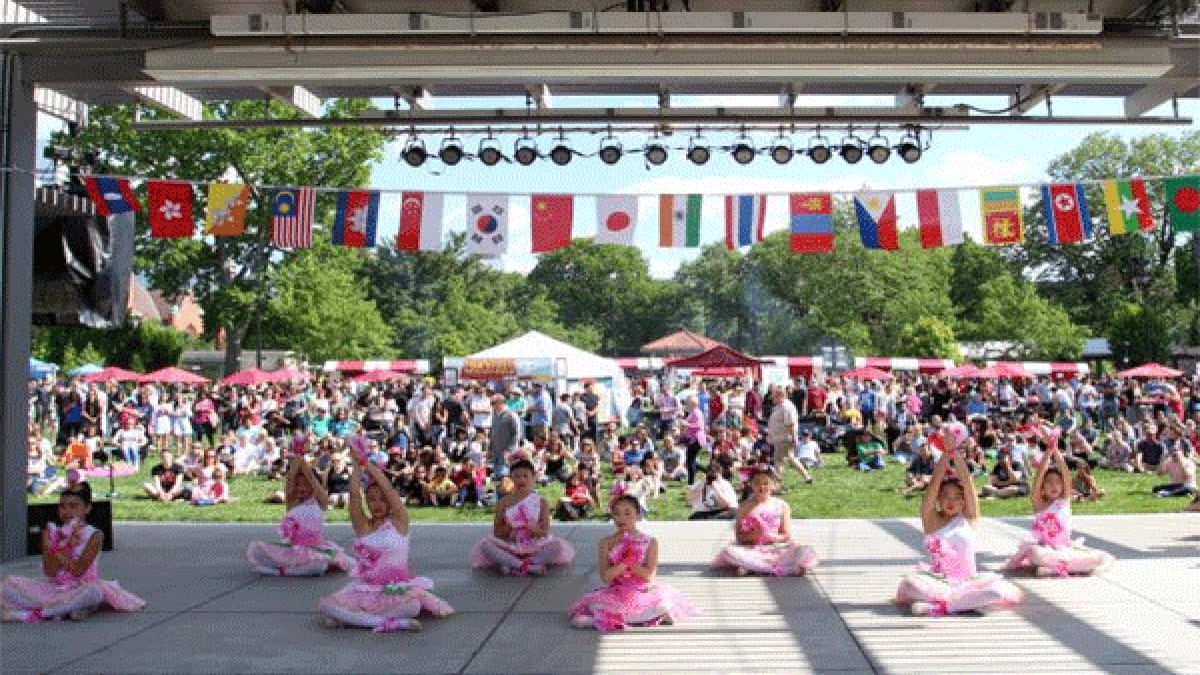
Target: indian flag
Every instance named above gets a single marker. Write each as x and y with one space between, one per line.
1128 206
679 221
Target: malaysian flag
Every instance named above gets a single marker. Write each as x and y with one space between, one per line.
291 217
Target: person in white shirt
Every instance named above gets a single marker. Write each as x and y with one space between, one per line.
807 455
479 404
130 439
713 497
782 430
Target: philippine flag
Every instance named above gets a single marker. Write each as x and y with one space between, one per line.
487 224
1067 218
616 219
420 222
111 195
744 216
877 220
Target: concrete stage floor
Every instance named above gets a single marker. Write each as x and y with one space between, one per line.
208 613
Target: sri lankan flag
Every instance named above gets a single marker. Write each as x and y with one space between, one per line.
1128 206
1002 221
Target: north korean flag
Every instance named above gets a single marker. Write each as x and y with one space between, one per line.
1067 219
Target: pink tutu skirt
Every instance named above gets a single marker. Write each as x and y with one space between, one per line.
982 591
49 598
631 602
1060 560
775 559
492 551
383 607
290 560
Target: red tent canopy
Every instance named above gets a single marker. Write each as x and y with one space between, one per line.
1151 371
378 376
288 374
248 377
173 375
718 357
111 374
965 371
1004 369
867 373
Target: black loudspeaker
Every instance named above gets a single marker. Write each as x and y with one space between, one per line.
41 515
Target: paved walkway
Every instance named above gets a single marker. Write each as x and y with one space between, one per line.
208 613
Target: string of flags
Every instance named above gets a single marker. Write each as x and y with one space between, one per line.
1069 219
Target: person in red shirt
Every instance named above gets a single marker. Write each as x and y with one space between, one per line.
817 396
468 488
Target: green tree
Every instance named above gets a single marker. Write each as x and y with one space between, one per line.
318 307
718 280
139 346
972 266
227 274
930 337
1093 280
1012 311
1138 334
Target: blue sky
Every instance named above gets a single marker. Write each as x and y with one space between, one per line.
982 155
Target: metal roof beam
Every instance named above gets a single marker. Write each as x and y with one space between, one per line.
60 106
299 98
1155 94
171 100
1028 96
539 94
417 98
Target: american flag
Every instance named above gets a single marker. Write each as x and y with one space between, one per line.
291 217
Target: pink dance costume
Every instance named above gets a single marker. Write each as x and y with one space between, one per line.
1052 548
383 595
522 554
33 600
628 600
762 557
951 583
302 553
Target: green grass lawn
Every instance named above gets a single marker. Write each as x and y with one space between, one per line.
837 492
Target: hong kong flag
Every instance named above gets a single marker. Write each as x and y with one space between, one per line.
170 206
552 218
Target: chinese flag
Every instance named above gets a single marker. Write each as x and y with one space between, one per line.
170 207
552 217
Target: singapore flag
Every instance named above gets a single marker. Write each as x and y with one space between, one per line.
616 219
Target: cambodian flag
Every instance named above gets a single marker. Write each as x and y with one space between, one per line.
111 195
744 215
357 214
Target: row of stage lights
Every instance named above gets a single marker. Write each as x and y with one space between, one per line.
852 149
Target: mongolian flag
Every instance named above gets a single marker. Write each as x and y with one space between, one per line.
811 222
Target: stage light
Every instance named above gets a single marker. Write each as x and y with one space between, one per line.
489 152
698 152
781 150
655 152
909 147
414 152
818 149
610 150
852 149
451 152
877 149
525 151
743 150
561 153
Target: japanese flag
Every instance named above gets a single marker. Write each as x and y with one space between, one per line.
616 219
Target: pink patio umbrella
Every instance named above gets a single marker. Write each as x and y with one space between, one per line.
289 374
173 375
1151 371
1005 369
378 376
867 373
248 377
111 374
966 371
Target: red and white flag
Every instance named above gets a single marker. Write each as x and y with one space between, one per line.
170 209
940 217
292 217
552 218
616 219
420 222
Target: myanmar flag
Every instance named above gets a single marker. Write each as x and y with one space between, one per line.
1128 206
679 221
1183 202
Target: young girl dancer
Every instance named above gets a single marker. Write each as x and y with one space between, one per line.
72 587
303 552
520 542
951 584
1052 552
628 564
383 596
763 535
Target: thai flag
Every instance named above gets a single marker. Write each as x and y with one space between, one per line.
111 195
744 216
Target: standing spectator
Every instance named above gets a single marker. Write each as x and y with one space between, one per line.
562 421
479 406
540 406
591 406
694 434
505 436
782 431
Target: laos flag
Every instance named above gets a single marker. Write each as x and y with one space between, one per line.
111 195
357 214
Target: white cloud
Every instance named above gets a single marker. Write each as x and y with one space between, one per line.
971 168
